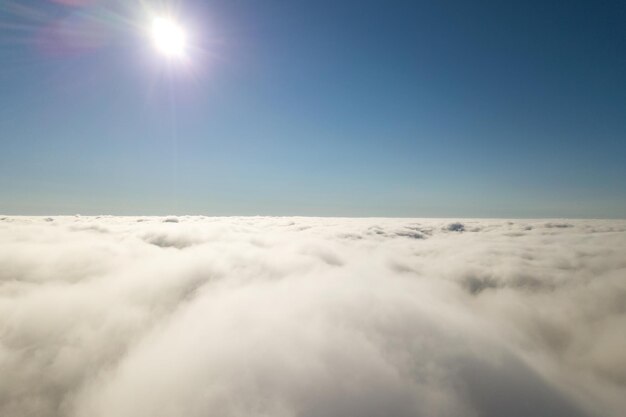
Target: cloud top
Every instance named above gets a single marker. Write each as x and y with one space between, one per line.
261 316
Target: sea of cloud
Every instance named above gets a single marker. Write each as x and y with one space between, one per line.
312 317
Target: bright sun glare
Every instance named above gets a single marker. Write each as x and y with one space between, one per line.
169 37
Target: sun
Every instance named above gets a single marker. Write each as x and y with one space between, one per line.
169 37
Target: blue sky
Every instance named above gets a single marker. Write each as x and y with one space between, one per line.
345 108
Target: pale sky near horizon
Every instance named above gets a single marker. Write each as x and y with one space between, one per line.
330 108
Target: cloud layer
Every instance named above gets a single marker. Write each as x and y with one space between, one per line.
258 316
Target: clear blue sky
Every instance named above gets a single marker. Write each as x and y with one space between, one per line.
347 108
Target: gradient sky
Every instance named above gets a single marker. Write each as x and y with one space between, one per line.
346 108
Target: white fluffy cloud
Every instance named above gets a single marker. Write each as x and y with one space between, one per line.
195 316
